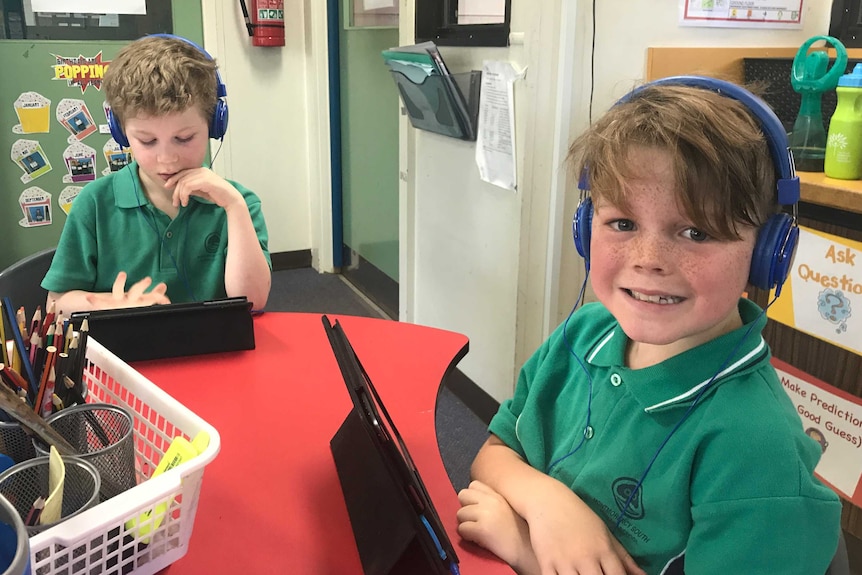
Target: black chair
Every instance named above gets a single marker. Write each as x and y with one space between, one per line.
20 281
840 562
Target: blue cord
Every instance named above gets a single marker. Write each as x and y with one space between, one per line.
688 412
580 444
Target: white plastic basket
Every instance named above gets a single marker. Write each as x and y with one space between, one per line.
97 542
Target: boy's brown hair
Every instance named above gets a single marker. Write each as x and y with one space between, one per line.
159 75
725 176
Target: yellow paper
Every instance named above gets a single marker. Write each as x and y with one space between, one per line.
56 479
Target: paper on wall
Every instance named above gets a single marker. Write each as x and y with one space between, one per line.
495 139
91 6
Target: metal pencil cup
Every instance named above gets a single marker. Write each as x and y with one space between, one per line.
23 483
15 443
103 435
14 542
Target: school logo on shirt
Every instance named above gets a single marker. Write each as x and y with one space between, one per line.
623 488
212 242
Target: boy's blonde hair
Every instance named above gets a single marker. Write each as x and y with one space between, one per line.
725 176
159 75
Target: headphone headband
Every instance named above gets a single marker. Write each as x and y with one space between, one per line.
787 185
219 118
777 238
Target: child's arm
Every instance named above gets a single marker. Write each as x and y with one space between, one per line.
564 532
487 519
137 296
247 272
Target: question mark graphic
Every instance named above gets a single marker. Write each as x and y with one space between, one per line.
836 303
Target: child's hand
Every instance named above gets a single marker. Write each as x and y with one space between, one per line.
135 297
487 519
568 537
204 183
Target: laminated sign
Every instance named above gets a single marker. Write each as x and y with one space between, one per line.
833 418
823 292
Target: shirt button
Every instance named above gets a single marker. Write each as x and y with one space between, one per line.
616 380
169 235
588 432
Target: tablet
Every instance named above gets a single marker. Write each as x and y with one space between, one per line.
403 516
172 330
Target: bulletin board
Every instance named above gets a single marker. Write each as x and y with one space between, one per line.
53 131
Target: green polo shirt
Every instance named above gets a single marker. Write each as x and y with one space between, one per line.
113 227
731 491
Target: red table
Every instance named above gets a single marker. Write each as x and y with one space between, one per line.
271 501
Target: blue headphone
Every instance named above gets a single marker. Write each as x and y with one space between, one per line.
778 237
218 122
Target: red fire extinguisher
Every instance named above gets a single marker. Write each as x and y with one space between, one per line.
265 22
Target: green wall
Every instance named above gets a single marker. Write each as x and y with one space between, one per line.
28 66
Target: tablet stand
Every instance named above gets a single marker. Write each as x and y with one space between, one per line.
382 518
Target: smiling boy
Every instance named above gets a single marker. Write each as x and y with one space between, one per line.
163 222
650 430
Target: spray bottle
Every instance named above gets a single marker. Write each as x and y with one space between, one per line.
810 78
844 146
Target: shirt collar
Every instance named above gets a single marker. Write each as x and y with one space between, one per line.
679 379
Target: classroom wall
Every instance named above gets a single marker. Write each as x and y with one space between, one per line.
496 265
473 253
277 141
500 266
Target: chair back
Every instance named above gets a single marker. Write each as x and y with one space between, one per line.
840 561
20 282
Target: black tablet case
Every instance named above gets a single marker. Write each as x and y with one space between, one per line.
172 330
389 536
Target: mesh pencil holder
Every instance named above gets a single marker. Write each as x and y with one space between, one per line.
15 443
14 541
23 483
103 435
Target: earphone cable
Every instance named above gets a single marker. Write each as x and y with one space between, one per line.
578 303
688 411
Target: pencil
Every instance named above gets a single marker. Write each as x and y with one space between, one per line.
19 343
3 336
21 318
15 377
46 373
36 322
49 319
47 404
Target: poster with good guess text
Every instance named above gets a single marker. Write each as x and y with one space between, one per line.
833 418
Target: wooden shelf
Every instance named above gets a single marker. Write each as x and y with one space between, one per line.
845 195
727 63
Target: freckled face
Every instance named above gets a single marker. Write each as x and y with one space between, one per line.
670 286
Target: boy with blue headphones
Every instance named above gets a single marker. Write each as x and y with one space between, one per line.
176 230
650 432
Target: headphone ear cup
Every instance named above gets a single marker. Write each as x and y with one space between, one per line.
116 131
582 228
218 124
773 252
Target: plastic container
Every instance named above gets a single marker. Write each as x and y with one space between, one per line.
844 144
97 540
14 548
